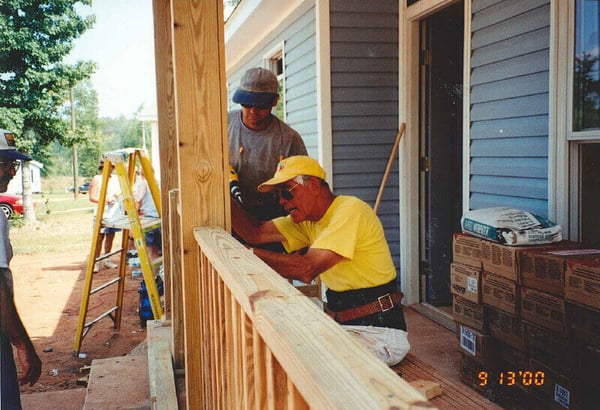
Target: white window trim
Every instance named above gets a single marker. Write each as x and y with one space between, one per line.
558 156
268 59
563 161
324 127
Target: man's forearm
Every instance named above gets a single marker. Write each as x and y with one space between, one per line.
12 328
288 265
10 323
250 229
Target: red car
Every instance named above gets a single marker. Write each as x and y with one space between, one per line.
10 203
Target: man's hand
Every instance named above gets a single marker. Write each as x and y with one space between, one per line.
12 328
31 365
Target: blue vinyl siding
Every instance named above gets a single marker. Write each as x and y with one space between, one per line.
364 104
509 104
298 34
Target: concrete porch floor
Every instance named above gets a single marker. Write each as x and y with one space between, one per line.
432 343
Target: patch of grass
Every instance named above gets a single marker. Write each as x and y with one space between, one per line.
48 204
64 223
54 234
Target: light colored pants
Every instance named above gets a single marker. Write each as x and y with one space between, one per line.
389 345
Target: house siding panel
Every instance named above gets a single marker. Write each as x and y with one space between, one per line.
509 104
364 95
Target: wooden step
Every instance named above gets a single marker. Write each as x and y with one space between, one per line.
118 383
72 399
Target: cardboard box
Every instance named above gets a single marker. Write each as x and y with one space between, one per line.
556 388
543 309
505 261
511 358
478 345
471 374
468 313
547 272
467 249
582 282
465 281
560 391
588 365
500 293
498 384
550 348
506 328
583 324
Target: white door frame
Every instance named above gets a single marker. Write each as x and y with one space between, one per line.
408 93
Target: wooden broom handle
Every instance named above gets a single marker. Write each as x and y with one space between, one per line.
389 166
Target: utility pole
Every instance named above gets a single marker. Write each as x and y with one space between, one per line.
75 161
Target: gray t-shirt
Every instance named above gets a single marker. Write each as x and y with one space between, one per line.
5 250
255 154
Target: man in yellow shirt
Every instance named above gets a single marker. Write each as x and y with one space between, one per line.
339 238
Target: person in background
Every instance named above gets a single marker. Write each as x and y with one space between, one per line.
146 208
12 331
340 239
258 140
112 208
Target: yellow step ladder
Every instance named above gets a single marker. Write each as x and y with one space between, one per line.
124 162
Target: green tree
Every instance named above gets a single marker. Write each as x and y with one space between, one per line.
88 136
36 36
122 132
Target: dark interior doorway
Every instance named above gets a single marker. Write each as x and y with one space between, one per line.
441 83
590 199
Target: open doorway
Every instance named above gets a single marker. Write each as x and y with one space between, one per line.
441 144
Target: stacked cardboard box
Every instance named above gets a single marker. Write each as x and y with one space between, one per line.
528 317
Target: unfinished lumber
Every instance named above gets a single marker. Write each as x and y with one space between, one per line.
428 388
161 377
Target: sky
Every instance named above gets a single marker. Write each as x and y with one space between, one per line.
121 43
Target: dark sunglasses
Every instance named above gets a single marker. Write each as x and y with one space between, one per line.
286 193
258 107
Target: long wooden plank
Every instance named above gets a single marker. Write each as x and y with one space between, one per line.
167 137
173 279
163 394
200 107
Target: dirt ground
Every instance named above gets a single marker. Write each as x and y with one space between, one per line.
48 293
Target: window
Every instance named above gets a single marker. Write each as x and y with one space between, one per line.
583 121
586 78
274 62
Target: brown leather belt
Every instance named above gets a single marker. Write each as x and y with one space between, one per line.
381 304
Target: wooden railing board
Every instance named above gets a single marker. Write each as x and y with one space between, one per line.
173 279
163 394
260 373
298 343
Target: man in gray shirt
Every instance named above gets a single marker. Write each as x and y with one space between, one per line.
258 140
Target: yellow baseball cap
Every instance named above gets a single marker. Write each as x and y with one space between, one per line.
291 167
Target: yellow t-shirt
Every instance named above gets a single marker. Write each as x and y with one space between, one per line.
351 229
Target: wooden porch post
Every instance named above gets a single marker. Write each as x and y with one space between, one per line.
191 92
169 181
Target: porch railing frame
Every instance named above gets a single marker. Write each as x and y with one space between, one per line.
264 345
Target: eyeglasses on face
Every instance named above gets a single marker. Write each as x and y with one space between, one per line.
286 193
258 107
10 164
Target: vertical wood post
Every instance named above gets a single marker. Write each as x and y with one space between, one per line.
169 180
193 85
